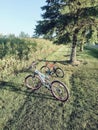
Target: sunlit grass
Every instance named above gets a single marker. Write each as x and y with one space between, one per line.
22 110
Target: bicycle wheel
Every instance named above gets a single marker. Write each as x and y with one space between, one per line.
59 72
59 91
45 70
33 82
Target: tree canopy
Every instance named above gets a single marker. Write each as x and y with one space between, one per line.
69 21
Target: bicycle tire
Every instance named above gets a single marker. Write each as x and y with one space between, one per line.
59 72
59 91
45 70
33 82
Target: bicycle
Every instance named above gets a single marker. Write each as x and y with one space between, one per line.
50 69
37 79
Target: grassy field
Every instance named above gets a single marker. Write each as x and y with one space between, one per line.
23 110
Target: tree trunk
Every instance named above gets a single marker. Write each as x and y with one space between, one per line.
73 54
81 47
74 46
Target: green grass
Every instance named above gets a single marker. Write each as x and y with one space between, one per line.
22 110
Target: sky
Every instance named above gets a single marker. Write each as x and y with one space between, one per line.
19 15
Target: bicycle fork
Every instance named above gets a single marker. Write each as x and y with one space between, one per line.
47 85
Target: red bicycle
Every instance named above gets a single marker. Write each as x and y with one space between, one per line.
51 68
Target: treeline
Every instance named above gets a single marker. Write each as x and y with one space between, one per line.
20 47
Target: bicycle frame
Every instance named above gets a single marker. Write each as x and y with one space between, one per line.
43 79
50 65
57 88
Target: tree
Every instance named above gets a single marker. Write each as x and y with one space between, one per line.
11 36
23 35
67 20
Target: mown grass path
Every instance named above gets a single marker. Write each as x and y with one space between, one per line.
22 110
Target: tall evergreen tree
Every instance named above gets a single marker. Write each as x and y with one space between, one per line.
68 20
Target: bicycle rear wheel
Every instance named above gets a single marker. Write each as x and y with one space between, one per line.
33 82
59 90
59 72
45 70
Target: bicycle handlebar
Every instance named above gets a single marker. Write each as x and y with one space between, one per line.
33 64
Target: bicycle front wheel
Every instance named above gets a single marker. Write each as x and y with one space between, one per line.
59 72
59 91
33 82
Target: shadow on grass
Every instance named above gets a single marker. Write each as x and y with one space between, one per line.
92 51
10 123
57 61
31 110
24 70
29 70
10 86
33 115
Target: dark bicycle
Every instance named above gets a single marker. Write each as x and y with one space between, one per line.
51 68
37 79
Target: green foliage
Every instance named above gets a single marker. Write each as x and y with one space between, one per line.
24 35
16 46
61 17
3 47
67 21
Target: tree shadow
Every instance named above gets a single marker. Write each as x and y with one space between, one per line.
31 109
11 86
23 70
56 61
25 118
9 124
92 51
28 70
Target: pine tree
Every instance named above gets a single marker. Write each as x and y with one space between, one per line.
69 21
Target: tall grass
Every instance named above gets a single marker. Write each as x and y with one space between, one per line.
21 53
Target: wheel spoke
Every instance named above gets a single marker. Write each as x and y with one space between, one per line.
59 72
32 82
59 91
